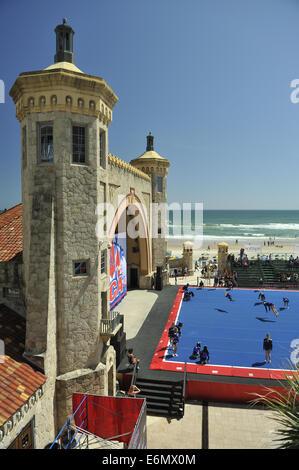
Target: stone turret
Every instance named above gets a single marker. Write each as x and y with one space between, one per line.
64 116
151 163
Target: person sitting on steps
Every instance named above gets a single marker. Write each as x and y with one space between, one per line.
132 359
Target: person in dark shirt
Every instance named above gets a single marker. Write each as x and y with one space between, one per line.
132 359
196 351
267 346
262 297
204 356
285 302
175 342
179 327
171 334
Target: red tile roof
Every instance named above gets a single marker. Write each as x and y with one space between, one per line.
11 233
18 380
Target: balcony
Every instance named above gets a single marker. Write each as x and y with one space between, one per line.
111 325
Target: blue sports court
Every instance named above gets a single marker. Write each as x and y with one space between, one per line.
233 331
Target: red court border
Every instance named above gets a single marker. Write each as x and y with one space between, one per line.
159 362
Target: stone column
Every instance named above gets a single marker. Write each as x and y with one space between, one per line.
188 257
222 257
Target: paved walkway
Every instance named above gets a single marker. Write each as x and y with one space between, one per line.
211 425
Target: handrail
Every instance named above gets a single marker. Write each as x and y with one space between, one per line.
109 324
67 423
184 387
134 374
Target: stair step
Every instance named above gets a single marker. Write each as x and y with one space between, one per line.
164 395
157 412
158 388
164 402
160 382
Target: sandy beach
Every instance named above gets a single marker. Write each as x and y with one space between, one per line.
252 247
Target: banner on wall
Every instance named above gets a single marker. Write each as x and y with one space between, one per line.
118 269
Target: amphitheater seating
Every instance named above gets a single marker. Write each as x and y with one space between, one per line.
270 272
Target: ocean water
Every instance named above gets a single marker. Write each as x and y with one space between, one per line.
239 224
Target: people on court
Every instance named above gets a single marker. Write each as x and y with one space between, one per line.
175 342
171 334
228 296
269 306
188 294
274 310
285 302
267 346
204 356
196 351
179 328
262 297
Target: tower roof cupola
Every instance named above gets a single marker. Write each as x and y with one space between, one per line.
64 43
150 160
150 142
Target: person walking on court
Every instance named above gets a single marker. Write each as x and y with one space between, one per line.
228 296
267 346
285 302
175 342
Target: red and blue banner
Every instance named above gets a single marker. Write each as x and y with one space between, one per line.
118 269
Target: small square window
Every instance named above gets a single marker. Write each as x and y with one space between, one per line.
80 268
79 144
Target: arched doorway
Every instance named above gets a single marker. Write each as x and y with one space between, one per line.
129 229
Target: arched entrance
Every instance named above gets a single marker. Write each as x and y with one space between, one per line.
130 229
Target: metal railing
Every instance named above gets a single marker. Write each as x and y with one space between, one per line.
184 387
109 324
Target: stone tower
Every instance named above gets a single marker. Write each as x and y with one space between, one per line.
64 116
151 163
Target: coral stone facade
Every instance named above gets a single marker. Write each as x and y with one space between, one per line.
67 173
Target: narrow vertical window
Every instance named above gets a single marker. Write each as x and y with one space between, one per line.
159 184
24 147
79 144
46 143
104 262
67 41
102 148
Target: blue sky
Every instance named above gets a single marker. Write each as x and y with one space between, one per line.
209 78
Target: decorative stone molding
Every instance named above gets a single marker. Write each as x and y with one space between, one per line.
73 91
115 161
22 412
